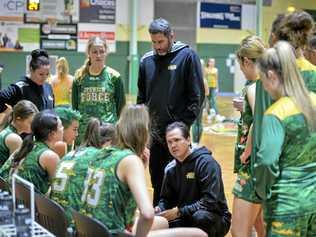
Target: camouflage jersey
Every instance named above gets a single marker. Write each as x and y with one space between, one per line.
244 124
107 198
67 185
100 96
31 170
264 100
4 150
285 169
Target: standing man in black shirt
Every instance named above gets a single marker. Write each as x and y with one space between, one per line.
170 83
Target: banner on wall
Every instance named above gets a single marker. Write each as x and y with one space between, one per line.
214 15
86 31
97 11
16 35
59 36
62 10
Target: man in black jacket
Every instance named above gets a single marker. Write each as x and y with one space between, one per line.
170 83
192 194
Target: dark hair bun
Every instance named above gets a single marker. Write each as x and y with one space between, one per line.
39 53
300 21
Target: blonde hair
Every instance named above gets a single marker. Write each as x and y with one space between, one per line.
281 59
132 128
251 47
62 67
84 69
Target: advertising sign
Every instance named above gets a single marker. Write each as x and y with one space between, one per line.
214 15
59 37
97 11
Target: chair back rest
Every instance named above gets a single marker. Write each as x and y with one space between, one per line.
51 215
22 195
4 186
89 227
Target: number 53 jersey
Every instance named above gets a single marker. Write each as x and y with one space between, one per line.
86 181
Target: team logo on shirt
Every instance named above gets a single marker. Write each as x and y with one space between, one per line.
94 94
94 78
172 67
190 175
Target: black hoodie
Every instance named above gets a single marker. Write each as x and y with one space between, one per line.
171 86
25 89
194 184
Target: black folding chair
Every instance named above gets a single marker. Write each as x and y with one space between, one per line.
51 215
88 227
22 195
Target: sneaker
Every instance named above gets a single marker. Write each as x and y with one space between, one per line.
211 117
212 111
219 118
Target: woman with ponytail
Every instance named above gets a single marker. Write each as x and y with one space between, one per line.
35 161
10 140
33 87
98 89
67 189
62 83
285 166
247 211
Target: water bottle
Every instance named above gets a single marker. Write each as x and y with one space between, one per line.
6 208
22 221
70 232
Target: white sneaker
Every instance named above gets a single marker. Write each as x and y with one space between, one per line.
211 117
219 118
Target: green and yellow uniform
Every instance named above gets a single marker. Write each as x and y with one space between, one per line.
31 170
244 124
101 96
5 170
107 198
67 185
4 150
264 100
308 72
243 187
210 75
86 181
285 171
62 90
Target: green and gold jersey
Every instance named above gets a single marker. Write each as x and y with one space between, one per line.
106 197
86 181
308 72
244 124
67 185
285 169
264 100
100 96
5 169
31 170
4 150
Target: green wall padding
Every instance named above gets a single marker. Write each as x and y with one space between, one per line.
220 52
14 62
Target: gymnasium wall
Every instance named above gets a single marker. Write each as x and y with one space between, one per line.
217 43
